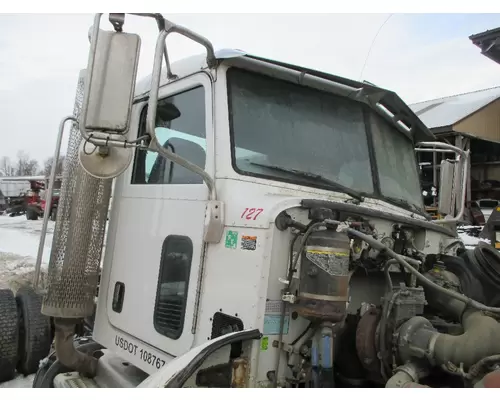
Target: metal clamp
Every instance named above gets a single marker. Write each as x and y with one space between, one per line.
288 298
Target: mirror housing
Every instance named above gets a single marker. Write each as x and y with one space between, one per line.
111 81
453 180
446 205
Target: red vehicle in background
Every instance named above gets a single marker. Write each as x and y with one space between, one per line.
53 206
30 198
36 206
36 202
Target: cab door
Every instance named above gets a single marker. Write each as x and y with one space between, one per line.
159 247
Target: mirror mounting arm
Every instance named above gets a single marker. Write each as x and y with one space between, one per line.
153 98
161 22
165 27
463 157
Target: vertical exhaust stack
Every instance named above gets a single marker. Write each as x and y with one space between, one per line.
102 108
78 238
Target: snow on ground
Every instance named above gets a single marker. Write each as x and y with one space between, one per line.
470 241
19 381
19 239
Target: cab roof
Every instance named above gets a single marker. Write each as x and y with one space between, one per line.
385 102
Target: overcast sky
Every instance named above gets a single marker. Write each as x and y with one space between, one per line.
419 56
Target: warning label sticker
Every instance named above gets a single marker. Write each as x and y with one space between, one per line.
231 240
272 324
248 242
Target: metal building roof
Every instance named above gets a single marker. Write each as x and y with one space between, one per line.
447 111
489 43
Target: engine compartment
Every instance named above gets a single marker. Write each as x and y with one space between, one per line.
384 313
373 303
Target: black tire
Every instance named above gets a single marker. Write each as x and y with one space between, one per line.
31 214
9 334
53 214
34 331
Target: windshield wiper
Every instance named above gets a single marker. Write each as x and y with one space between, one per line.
309 175
405 204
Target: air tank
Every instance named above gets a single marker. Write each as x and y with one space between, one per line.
324 276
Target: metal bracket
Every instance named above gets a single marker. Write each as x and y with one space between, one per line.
288 298
284 281
214 221
117 20
285 347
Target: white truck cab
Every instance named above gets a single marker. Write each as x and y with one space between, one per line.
260 212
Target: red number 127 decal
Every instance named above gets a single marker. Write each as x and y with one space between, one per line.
251 213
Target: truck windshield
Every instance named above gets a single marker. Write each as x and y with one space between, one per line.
291 127
396 163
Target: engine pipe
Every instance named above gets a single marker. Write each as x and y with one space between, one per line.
66 353
479 340
418 338
408 376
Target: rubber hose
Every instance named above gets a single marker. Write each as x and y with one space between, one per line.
425 281
479 340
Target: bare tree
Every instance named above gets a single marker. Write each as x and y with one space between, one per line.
26 165
6 167
47 166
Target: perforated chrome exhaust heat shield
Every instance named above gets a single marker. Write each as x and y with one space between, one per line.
79 234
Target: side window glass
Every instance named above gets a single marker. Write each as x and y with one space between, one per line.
180 127
171 295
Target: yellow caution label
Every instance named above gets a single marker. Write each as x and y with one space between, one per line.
335 253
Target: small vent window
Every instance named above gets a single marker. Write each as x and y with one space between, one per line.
171 296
